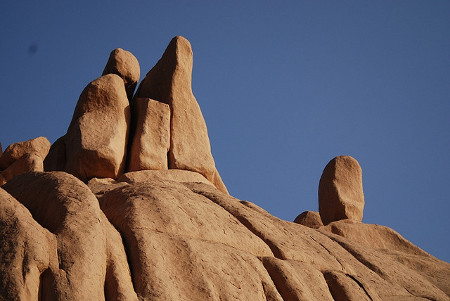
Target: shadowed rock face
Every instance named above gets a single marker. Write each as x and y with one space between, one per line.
171 231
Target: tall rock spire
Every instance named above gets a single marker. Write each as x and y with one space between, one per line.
169 81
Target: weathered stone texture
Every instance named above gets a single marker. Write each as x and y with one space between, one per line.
151 140
169 81
96 140
310 219
39 146
124 64
340 191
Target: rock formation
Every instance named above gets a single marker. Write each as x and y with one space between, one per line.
151 139
310 219
96 140
39 146
170 82
341 191
22 157
124 64
165 233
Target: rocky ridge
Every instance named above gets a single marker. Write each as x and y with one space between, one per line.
128 205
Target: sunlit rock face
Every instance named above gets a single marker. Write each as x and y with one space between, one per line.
131 207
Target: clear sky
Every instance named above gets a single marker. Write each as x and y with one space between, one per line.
284 87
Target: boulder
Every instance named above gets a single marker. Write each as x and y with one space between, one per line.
27 252
341 191
151 139
1 149
124 64
169 81
309 219
39 145
26 163
96 139
88 252
56 158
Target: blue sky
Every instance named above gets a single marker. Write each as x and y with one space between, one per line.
284 87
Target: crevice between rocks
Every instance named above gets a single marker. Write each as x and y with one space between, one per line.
360 285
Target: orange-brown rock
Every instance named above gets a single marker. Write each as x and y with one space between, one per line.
151 139
340 191
56 157
39 145
124 64
96 139
169 81
184 240
27 252
175 234
26 163
310 219
82 254
176 175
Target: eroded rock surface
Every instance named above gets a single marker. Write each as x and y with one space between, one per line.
310 219
96 140
176 234
151 139
340 191
15 151
124 64
175 238
169 81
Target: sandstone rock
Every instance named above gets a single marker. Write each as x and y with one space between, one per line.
89 256
96 140
373 236
1 149
422 277
26 163
184 240
296 243
184 247
151 140
39 145
124 64
310 219
176 175
341 191
27 252
56 158
169 81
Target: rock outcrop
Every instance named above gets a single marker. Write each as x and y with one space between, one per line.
26 163
151 141
40 146
96 140
22 157
169 81
309 219
124 64
340 191
178 239
171 231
